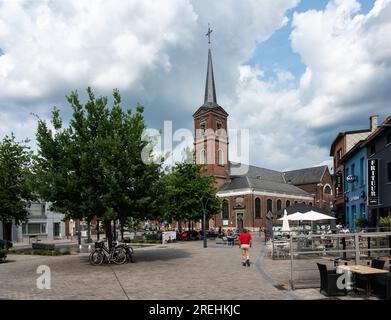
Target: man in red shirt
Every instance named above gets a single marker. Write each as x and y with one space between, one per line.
245 244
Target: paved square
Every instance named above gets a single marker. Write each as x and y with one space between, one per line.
183 270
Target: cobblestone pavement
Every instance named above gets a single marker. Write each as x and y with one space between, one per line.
183 270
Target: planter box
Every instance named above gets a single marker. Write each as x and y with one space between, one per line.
44 246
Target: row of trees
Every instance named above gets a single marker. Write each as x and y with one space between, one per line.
93 167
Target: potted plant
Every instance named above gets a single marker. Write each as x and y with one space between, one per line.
362 223
385 222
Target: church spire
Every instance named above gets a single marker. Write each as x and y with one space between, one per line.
210 89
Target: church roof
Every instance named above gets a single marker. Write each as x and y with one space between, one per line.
305 176
210 100
258 172
261 179
258 184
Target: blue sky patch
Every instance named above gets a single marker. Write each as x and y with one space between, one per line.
276 52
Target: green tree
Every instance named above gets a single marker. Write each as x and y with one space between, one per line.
93 167
186 190
15 180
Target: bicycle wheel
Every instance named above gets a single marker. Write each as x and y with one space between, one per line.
119 256
96 257
130 254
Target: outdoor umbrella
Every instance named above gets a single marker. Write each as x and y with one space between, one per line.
285 222
297 216
315 216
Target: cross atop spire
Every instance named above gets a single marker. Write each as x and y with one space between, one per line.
209 33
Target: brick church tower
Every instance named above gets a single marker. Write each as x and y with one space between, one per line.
210 124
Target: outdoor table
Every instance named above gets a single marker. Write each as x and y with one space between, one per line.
365 271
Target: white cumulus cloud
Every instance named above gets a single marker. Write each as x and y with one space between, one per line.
348 71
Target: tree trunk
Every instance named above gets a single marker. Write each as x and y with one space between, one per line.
180 226
122 231
89 231
189 224
114 231
78 232
97 230
109 234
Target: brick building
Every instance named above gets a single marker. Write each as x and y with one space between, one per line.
249 196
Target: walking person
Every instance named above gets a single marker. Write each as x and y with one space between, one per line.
245 244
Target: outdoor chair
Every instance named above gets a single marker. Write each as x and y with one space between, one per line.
328 282
381 286
361 281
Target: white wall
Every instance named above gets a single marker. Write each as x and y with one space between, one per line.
51 218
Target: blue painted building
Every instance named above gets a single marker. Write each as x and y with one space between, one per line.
355 166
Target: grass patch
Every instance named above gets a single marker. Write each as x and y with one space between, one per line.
280 286
39 252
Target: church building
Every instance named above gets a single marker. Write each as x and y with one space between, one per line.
251 198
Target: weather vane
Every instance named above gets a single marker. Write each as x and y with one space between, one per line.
208 33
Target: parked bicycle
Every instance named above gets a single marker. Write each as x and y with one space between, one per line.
101 254
129 252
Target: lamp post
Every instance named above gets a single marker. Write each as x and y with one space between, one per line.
204 219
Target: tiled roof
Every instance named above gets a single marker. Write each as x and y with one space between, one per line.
264 180
305 176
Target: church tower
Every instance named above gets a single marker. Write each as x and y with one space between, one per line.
210 124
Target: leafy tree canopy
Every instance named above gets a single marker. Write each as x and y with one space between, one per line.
15 180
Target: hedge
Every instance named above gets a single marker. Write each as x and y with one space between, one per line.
3 255
40 252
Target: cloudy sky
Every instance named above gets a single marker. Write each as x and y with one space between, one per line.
293 72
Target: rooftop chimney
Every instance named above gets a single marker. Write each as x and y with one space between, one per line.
374 122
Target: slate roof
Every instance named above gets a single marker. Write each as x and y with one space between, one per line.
305 176
257 172
261 179
210 99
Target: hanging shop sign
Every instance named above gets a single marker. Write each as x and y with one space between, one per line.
338 183
373 182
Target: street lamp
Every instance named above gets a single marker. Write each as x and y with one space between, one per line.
204 219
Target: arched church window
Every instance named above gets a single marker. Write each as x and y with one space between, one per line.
203 127
269 205
257 208
287 204
203 156
225 209
279 204
327 189
220 157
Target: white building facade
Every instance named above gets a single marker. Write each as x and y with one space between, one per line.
42 223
